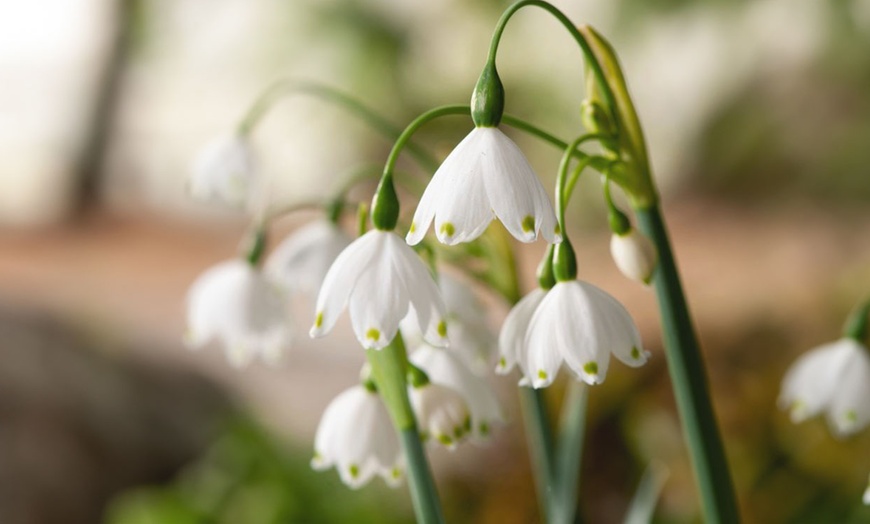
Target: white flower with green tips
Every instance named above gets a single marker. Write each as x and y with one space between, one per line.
380 279
445 368
580 325
442 414
485 177
235 304
833 379
224 173
512 338
357 437
634 255
301 260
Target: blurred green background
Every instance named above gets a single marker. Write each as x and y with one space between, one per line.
757 115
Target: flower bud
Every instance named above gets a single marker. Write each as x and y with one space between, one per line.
635 255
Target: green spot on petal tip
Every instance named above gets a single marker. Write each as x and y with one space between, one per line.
528 224
353 470
413 227
591 368
373 334
318 321
445 439
542 374
448 229
442 329
635 353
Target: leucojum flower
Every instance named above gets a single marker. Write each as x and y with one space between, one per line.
356 436
442 413
485 177
574 323
235 304
634 255
300 261
833 379
445 368
224 172
380 279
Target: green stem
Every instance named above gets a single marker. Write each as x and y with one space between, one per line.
591 59
689 379
424 496
569 454
288 86
389 366
595 161
540 438
562 179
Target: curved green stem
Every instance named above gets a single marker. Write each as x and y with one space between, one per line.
288 86
562 194
591 59
689 379
596 162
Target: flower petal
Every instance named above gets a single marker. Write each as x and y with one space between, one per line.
849 411
512 337
810 383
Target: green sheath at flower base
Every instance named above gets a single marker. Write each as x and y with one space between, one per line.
487 100
546 278
564 261
857 324
256 244
385 205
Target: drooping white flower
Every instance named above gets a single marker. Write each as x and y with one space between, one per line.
236 304
442 414
485 177
301 260
580 325
380 279
512 338
357 437
634 255
224 173
833 379
445 368
470 335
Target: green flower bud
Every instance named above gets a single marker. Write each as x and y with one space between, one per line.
487 100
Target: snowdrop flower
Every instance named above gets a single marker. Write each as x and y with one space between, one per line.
224 172
580 325
511 339
470 335
357 437
442 413
634 255
381 279
236 304
445 368
833 379
300 261
485 177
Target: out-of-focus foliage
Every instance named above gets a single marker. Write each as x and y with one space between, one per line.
248 477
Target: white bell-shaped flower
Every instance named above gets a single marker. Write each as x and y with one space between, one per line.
512 338
442 413
580 325
224 173
301 260
445 368
470 335
236 304
634 255
380 279
833 379
485 177
357 437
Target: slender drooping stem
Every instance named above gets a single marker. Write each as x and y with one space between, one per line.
690 380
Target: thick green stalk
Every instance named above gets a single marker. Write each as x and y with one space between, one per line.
389 366
540 438
690 380
572 430
427 507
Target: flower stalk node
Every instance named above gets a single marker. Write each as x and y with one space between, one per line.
564 261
